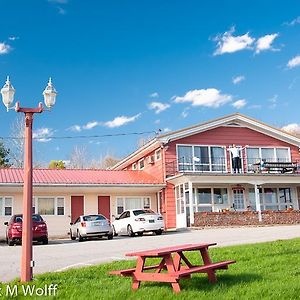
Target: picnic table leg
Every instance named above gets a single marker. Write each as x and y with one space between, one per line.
206 259
139 269
171 269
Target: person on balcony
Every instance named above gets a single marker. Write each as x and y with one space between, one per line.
236 157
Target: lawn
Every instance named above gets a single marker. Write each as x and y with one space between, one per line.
263 271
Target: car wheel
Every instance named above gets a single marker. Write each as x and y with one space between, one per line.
110 236
73 238
158 232
10 242
114 231
45 241
130 231
80 238
140 233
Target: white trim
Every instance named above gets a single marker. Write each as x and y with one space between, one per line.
139 164
209 157
3 206
155 154
134 166
36 205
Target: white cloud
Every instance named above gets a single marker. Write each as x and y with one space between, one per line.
90 125
43 134
121 121
154 95
255 106
293 128
238 79
13 38
76 128
227 43
239 103
273 102
265 43
294 62
157 121
205 97
4 48
185 113
167 129
293 22
158 106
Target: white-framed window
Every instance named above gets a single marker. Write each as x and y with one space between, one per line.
134 166
158 154
51 206
128 202
196 158
256 155
141 164
272 198
6 206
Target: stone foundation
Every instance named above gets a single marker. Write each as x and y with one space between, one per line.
244 218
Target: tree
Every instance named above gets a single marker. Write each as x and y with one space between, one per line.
108 161
78 159
4 160
56 164
16 144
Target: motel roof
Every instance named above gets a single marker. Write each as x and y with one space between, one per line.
14 176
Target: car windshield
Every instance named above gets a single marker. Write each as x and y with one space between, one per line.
143 211
93 218
35 218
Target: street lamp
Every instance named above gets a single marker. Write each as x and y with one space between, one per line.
49 94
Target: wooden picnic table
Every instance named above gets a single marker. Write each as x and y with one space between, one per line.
171 268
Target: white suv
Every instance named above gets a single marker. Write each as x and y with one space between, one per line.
138 221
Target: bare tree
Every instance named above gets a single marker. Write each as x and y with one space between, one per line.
78 158
108 161
16 143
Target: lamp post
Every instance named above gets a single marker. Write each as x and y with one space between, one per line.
49 94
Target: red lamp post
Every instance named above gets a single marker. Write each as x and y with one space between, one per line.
8 97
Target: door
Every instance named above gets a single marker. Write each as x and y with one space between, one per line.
104 206
77 207
238 199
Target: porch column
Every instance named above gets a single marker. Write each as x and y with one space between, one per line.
191 200
257 202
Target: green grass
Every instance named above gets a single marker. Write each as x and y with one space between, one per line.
263 271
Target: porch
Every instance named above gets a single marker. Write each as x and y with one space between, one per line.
217 194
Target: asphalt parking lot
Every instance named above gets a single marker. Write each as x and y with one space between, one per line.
61 255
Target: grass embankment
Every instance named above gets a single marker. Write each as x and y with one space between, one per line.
263 271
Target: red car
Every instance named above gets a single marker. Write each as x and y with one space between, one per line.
14 230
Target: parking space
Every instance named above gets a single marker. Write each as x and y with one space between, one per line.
61 255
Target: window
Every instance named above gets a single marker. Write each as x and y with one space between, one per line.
134 166
272 198
5 206
201 158
60 206
158 154
141 164
220 196
52 206
256 154
203 200
238 199
126 203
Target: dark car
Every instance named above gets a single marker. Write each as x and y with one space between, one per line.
14 230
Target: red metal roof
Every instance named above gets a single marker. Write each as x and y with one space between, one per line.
74 176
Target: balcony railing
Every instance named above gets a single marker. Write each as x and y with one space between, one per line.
224 166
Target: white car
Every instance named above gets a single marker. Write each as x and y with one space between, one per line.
90 226
138 221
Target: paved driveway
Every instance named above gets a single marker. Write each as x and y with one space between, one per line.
63 254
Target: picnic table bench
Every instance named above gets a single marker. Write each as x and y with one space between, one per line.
171 268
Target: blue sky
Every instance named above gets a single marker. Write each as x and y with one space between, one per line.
139 66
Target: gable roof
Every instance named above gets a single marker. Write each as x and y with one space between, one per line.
79 177
235 119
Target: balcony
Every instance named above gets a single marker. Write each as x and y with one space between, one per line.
222 165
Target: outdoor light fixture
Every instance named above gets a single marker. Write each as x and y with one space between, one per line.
8 93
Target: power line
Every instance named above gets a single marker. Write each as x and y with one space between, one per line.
80 136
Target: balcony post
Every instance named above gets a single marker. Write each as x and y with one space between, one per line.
257 202
191 196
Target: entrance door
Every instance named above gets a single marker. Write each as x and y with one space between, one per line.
238 199
104 206
77 207
181 219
